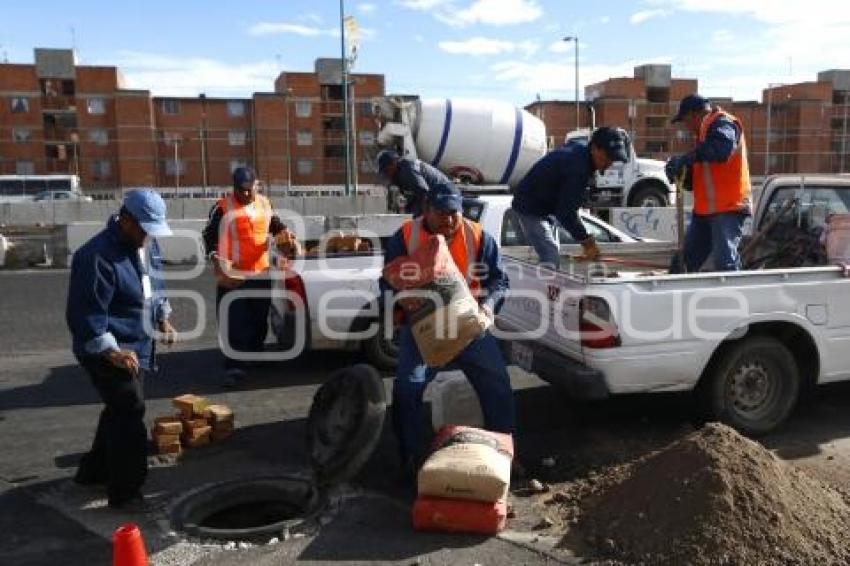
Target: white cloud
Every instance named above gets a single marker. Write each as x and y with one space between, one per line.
173 76
557 80
561 46
489 12
646 15
278 28
311 17
487 46
367 8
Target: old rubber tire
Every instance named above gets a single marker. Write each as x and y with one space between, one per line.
345 423
752 385
379 351
652 194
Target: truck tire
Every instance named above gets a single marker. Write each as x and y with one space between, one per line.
381 352
752 385
649 194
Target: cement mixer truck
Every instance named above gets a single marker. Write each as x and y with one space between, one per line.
478 142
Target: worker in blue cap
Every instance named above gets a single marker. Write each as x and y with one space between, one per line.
116 307
720 179
555 188
477 257
413 177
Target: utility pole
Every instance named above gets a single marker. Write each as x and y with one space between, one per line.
844 133
574 39
343 61
286 102
176 166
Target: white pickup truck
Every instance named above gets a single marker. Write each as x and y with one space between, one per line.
745 342
335 304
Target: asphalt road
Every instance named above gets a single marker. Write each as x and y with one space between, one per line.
48 412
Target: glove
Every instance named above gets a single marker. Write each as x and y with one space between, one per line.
590 251
675 165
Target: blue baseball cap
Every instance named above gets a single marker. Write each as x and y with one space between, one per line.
242 175
148 208
614 141
689 104
445 197
386 157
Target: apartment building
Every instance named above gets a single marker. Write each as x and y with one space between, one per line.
60 117
793 128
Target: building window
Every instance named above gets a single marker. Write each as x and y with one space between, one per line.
96 105
235 108
366 109
237 163
304 137
303 109
305 166
21 135
366 138
19 105
171 106
173 167
98 136
101 168
24 167
171 137
236 137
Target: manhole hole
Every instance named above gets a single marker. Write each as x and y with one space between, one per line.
247 509
344 425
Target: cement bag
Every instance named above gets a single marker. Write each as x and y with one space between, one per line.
455 434
443 314
467 467
459 516
838 238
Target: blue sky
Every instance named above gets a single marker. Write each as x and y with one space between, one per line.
505 49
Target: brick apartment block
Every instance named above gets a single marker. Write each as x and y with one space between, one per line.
60 117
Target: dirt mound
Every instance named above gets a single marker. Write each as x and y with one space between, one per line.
714 497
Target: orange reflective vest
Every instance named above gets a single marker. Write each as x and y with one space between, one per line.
465 247
722 186
242 237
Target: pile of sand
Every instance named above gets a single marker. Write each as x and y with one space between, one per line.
712 497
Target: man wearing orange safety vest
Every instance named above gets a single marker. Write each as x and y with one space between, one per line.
720 178
237 242
477 256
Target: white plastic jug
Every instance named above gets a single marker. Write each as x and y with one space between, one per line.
454 401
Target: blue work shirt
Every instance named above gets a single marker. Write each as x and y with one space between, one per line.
415 178
721 139
494 284
557 186
106 299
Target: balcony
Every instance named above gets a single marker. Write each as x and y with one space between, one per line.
60 135
333 108
333 137
660 109
58 104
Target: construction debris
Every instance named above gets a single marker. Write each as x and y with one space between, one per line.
195 424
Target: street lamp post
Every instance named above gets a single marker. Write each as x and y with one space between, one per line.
574 39
176 166
286 102
767 134
844 133
343 60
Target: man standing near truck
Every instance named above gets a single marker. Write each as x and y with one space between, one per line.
476 255
413 177
237 242
556 187
720 182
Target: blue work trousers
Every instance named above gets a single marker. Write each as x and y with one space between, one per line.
247 323
484 367
715 235
541 233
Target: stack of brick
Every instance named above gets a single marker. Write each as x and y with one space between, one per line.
220 418
463 485
166 433
196 428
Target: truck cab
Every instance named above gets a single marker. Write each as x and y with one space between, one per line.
638 182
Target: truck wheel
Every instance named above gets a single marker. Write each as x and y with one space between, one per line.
753 386
380 351
649 195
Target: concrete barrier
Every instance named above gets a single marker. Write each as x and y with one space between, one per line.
57 213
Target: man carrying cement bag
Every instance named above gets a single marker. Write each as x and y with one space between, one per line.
476 255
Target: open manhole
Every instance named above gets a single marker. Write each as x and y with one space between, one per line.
343 428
